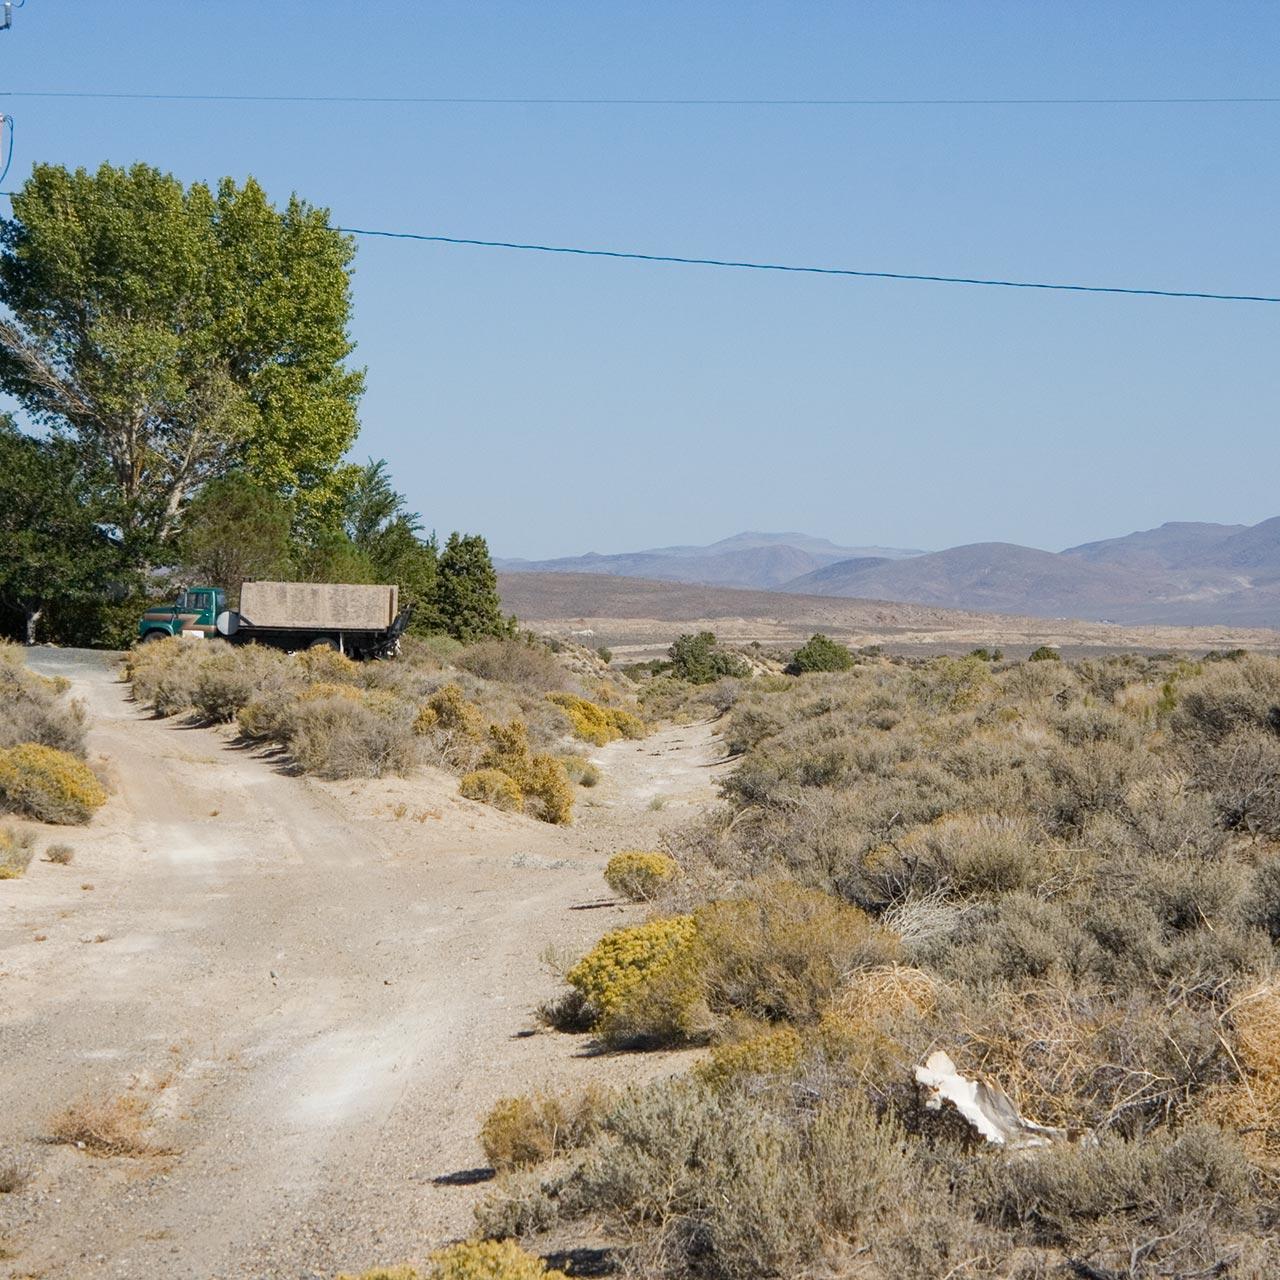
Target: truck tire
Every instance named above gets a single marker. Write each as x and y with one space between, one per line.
324 642
154 634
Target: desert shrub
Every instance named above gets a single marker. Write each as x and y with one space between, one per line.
48 785
951 684
594 723
16 853
336 737
1228 697
524 1131
385 1273
580 770
229 678
60 854
488 1260
638 874
772 1052
547 790
327 665
615 973
819 653
781 951
698 660
1044 653
526 664
455 726
717 1184
34 708
1176 1197
492 787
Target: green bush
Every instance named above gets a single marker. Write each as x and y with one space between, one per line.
819 653
697 660
1044 653
48 785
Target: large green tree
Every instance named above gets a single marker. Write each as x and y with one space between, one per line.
467 590
235 530
55 547
381 526
178 334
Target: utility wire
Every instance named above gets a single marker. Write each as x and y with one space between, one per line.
638 102
819 271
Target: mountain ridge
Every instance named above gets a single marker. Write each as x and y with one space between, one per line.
1181 572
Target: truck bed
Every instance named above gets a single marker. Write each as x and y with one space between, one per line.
321 606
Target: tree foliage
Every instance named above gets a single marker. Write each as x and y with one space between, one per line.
236 530
467 590
178 334
53 550
820 653
696 658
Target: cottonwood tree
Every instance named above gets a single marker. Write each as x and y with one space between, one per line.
54 546
177 334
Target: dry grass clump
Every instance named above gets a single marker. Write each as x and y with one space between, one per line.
16 852
335 736
596 724
59 854
33 708
106 1126
48 785
525 1131
1250 1103
640 875
16 1170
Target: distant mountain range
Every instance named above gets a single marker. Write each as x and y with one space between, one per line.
1182 573
760 560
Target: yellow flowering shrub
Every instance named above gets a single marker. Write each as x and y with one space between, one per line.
626 958
48 785
768 1053
447 711
489 1260
492 786
594 723
639 874
547 786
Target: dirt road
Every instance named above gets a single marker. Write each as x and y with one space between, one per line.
316 990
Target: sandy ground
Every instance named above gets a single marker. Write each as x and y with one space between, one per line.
316 990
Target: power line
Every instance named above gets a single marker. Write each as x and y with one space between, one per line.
636 102
819 271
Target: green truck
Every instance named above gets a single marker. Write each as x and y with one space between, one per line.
359 620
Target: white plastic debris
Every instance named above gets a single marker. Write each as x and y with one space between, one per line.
985 1106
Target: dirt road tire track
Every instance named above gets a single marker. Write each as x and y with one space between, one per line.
318 989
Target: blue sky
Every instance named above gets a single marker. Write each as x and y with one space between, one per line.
562 405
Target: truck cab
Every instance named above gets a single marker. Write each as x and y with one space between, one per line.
193 615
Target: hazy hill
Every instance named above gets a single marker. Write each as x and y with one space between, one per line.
1172 545
999 577
745 560
1183 573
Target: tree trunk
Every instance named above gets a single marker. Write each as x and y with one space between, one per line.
33 619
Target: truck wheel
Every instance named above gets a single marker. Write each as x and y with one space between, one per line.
150 636
324 643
